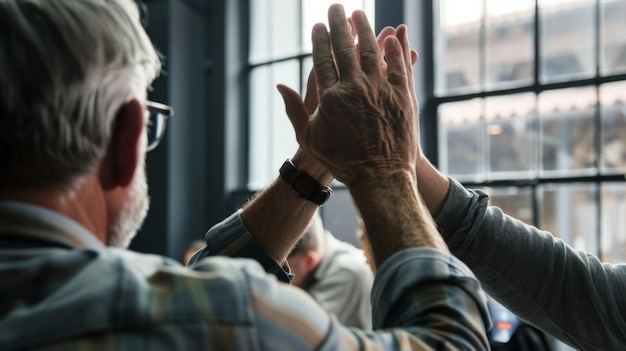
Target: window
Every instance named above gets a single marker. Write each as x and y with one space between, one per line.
280 52
531 105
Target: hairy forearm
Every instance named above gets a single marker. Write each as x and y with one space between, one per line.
394 215
276 217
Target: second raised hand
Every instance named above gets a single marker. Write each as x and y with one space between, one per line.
365 117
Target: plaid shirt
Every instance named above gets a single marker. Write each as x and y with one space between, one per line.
63 290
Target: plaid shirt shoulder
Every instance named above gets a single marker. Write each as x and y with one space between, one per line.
111 299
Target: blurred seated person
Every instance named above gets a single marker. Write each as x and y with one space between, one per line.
361 234
335 273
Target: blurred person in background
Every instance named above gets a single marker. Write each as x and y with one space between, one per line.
335 273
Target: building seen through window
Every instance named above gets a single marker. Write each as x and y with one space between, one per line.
531 105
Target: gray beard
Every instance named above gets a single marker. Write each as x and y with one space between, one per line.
132 214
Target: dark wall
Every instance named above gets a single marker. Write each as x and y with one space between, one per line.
152 237
187 173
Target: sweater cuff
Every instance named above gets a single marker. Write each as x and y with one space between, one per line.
231 238
461 216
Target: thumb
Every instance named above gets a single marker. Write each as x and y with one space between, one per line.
296 111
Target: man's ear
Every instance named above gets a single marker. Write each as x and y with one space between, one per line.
123 155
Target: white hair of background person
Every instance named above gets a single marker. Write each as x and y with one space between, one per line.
65 72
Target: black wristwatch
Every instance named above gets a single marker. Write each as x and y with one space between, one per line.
306 187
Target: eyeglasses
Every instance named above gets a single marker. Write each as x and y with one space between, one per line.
156 120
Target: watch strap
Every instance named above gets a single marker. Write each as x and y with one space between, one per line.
306 187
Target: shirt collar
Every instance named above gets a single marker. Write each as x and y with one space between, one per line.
39 223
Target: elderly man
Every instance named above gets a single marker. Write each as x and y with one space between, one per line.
73 118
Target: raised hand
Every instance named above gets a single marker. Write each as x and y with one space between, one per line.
402 35
365 120
311 99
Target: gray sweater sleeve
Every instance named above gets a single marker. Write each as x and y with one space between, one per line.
566 292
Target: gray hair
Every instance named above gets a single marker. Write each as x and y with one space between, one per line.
66 67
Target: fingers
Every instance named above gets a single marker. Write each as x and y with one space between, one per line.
414 57
386 32
352 28
310 98
369 51
296 111
343 44
396 65
323 61
403 38
389 31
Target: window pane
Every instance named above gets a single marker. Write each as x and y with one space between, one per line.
461 139
511 136
274 29
509 42
567 131
613 222
613 112
260 126
457 46
272 139
280 39
514 201
612 38
567 39
316 11
569 211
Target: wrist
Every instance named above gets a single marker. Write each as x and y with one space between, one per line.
312 167
395 217
433 186
304 185
382 188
